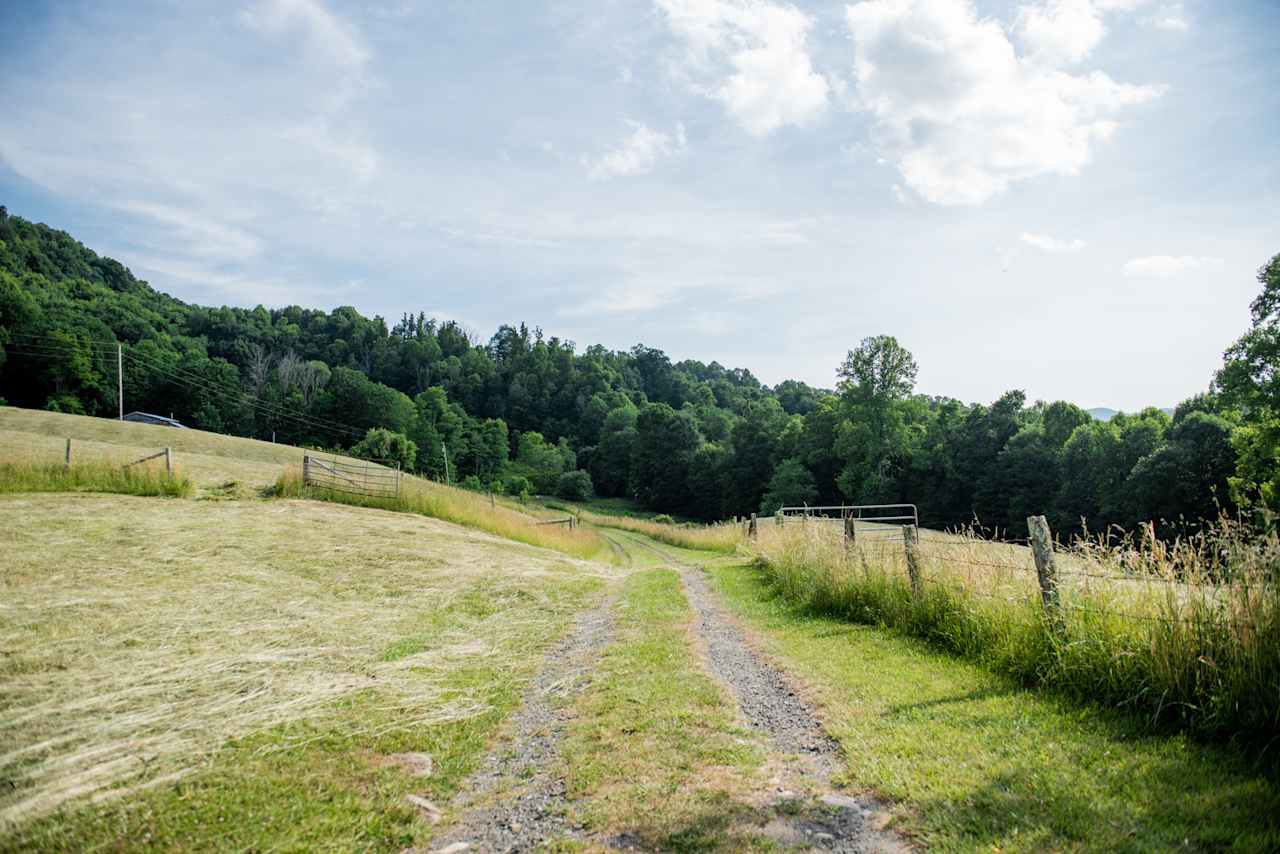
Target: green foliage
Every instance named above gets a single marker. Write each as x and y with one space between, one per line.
696 439
665 443
387 447
575 486
790 486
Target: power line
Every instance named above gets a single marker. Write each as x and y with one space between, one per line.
183 377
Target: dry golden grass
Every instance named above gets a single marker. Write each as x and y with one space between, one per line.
218 465
1189 631
137 635
722 537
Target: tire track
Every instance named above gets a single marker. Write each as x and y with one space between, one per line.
516 800
809 758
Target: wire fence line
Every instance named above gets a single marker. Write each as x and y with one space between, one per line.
1047 567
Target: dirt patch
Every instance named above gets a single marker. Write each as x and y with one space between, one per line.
516 801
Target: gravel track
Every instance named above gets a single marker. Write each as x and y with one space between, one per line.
819 818
516 800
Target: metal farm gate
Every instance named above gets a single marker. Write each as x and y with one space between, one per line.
355 478
882 522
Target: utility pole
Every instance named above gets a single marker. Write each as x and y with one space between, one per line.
120 378
445 450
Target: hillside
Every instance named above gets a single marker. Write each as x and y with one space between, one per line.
529 413
227 670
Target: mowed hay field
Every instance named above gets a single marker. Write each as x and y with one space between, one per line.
244 673
226 466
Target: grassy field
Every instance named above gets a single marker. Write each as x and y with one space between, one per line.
975 762
243 672
219 466
253 674
1187 634
154 643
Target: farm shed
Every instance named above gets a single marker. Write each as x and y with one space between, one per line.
148 418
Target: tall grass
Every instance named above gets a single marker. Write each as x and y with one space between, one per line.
463 507
722 537
92 477
1185 633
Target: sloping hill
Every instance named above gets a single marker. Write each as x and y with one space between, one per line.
300 645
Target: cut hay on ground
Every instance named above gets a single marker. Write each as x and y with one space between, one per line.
137 635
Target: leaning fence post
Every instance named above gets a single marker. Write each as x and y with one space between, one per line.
68 461
752 529
909 539
493 504
168 462
1042 549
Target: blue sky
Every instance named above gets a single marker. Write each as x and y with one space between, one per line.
1065 196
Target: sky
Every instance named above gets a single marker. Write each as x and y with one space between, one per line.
1069 197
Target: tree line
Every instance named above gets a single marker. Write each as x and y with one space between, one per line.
524 412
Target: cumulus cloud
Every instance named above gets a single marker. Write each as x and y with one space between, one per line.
961 113
751 56
1062 31
637 154
1051 244
1164 266
324 34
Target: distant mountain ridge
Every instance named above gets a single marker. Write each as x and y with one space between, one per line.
1104 413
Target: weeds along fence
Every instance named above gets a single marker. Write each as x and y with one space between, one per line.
1187 633
441 501
367 478
153 474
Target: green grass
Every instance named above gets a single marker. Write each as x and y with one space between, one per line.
1202 659
308 785
974 761
144 479
655 750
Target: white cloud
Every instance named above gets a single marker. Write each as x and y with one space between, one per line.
200 236
1170 17
1051 244
960 113
637 154
1164 266
325 35
1061 31
634 297
755 55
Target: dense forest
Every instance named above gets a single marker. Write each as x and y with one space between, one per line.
526 412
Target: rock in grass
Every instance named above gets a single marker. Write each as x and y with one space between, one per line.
430 810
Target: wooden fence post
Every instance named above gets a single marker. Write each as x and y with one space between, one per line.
1042 549
779 517
909 539
752 529
306 468
168 462
493 504
850 531
68 460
